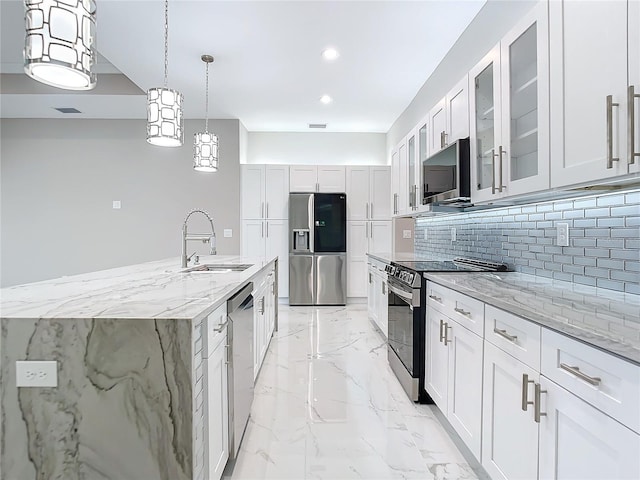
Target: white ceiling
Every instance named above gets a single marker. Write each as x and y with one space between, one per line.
268 71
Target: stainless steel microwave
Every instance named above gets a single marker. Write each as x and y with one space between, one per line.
446 175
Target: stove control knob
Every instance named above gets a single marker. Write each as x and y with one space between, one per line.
411 275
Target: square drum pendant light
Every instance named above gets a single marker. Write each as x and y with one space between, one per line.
205 145
60 41
164 105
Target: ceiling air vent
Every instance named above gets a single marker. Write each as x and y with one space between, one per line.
317 125
67 110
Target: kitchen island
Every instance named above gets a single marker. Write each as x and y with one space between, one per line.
128 342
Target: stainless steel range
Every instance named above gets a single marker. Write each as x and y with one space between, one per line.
406 307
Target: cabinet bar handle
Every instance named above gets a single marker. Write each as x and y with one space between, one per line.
631 124
536 403
462 312
226 354
384 288
446 337
610 105
221 327
500 152
441 328
371 230
267 210
444 134
595 381
317 187
525 392
267 229
369 277
367 230
262 306
262 229
437 299
262 210
367 207
371 210
504 334
493 171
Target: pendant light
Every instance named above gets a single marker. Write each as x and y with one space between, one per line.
60 43
164 106
205 146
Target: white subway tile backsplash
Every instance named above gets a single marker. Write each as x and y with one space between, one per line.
604 238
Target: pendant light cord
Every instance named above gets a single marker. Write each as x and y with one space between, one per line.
206 103
166 42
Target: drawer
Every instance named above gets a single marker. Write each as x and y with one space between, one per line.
514 335
210 336
607 382
465 310
379 264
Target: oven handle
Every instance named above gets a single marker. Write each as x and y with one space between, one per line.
401 293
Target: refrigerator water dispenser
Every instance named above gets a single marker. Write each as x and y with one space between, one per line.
301 240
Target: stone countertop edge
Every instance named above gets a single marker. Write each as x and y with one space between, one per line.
561 292
152 290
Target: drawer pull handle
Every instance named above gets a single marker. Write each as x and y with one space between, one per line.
525 392
595 381
462 312
437 299
221 327
536 406
504 334
446 337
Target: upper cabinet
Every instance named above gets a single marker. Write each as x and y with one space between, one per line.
312 178
509 102
368 193
399 180
595 77
449 118
265 191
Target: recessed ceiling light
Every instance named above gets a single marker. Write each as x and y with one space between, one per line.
67 110
326 99
317 125
330 54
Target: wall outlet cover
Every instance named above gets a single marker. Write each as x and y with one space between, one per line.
563 234
228 233
36 373
406 233
117 204
454 235
425 233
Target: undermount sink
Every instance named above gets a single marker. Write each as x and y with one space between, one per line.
218 268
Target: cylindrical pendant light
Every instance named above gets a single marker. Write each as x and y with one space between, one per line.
164 106
205 145
60 42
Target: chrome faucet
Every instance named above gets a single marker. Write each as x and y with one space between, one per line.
203 237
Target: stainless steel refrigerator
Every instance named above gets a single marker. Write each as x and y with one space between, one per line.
317 248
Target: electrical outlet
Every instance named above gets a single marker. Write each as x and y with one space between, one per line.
228 233
117 204
424 233
36 374
453 234
563 234
406 233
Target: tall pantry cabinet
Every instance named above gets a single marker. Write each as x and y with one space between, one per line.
265 213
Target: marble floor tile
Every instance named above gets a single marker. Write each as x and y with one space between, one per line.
327 406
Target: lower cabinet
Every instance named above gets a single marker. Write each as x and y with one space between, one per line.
377 296
364 237
269 238
454 375
217 400
264 303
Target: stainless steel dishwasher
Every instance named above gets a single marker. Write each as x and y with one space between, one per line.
240 371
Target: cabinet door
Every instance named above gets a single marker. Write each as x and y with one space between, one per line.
436 360
524 166
579 441
217 412
252 191
253 238
303 178
357 233
372 294
276 192
438 121
379 193
423 154
277 244
383 312
379 237
509 434
588 63
412 149
464 398
395 180
485 126
403 193
358 206
331 180
634 80
457 111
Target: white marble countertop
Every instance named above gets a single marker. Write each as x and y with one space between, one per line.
401 257
602 318
156 289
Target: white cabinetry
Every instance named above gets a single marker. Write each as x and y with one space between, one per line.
368 193
269 238
316 178
509 121
595 62
399 179
263 318
449 118
265 191
216 393
377 299
364 237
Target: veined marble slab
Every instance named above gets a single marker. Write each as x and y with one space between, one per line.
602 318
148 290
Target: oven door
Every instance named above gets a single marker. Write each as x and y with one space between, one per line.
401 303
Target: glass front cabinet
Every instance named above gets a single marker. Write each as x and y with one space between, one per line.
509 101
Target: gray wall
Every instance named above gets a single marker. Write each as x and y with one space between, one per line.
58 181
493 21
604 239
